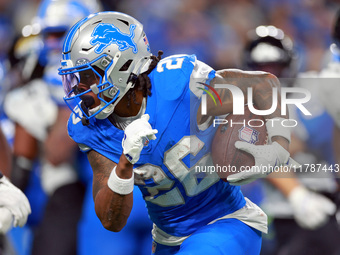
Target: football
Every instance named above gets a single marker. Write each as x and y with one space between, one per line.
226 157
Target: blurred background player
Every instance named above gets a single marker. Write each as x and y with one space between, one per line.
330 78
14 205
301 206
40 143
330 75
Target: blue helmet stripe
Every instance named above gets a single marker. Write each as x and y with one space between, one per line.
70 35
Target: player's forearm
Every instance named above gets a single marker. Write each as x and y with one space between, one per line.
112 209
5 155
263 100
25 151
285 183
59 147
264 93
261 84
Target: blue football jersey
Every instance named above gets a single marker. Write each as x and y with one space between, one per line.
179 199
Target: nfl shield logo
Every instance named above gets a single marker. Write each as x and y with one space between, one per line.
248 135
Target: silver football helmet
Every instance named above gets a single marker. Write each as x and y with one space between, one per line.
60 15
113 48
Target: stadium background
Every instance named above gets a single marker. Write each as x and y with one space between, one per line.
215 30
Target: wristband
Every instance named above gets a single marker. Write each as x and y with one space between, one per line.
275 128
119 185
23 162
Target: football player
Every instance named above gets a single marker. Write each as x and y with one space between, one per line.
138 118
300 215
330 88
14 205
42 149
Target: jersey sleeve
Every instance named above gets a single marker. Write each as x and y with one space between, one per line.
100 136
180 70
202 73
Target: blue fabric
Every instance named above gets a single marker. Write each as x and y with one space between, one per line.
224 237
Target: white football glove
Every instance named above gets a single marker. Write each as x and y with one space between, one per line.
6 220
311 210
15 201
266 158
137 135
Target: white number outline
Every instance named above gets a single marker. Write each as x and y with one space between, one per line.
75 118
173 160
169 64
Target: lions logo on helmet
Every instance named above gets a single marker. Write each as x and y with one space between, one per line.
105 34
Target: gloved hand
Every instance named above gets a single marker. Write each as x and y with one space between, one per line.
311 210
6 220
15 201
266 158
137 134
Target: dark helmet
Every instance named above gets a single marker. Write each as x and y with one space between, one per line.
335 46
269 49
336 29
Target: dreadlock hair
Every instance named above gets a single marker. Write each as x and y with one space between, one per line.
143 82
